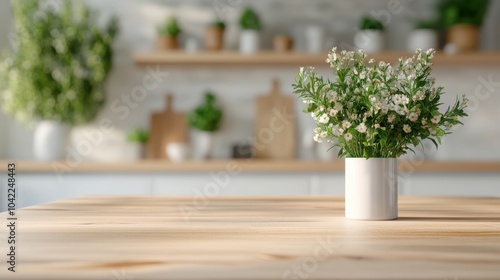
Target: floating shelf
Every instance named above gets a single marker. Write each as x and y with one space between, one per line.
282 59
253 165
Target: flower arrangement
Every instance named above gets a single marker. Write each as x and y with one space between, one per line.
61 63
206 117
374 110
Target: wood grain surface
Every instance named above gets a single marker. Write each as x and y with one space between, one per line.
274 125
254 238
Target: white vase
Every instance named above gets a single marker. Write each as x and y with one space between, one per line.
314 38
423 39
50 140
371 41
204 145
178 152
249 41
371 189
136 151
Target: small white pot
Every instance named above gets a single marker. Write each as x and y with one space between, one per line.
371 41
423 39
136 151
315 38
249 41
50 140
203 145
178 152
371 189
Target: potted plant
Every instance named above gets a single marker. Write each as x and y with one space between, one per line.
168 33
137 139
375 113
370 36
282 43
462 19
214 36
249 36
56 76
424 36
206 119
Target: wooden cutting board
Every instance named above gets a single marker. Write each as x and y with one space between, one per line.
274 128
166 127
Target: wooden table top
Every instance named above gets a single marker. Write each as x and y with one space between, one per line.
254 238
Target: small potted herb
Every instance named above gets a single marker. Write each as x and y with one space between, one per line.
370 36
282 43
137 139
250 36
206 119
424 36
462 20
168 34
214 36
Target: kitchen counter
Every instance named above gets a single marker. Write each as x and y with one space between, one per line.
157 237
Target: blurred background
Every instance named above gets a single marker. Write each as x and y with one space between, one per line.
263 41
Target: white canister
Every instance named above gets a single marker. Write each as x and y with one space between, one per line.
314 38
50 140
178 152
371 41
371 188
423 39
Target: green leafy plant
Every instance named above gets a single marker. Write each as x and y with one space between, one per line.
219 24
138 136
169 28
374 110
463 12
61 63
369 23
206 117
249 20
427 24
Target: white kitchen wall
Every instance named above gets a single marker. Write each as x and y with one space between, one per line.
237 88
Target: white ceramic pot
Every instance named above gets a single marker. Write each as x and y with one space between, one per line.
50 140
249 41
203 145
371 41
178 152
371 189
314 38
423 39
136 151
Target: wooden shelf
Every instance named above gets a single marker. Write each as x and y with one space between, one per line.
257 166
279 59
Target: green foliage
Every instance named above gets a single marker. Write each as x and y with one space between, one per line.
138 136
169 28
369 23
427 24
219 24
60 65
206 117
463 12
374 110
249 20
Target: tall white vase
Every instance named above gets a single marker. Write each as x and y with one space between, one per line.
314 38
371 189
371 41
204 145
50 140
249 41
423 39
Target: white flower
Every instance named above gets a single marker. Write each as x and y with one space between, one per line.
337 131
371 61
377 125
406 128
324 118
432 131
354 116
347 137
391 118
424 121
400 110
361 128
405 100
362 76
413 117
338 107
317 138
397 99
346 124
436 119
323 134
356 90
301 71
